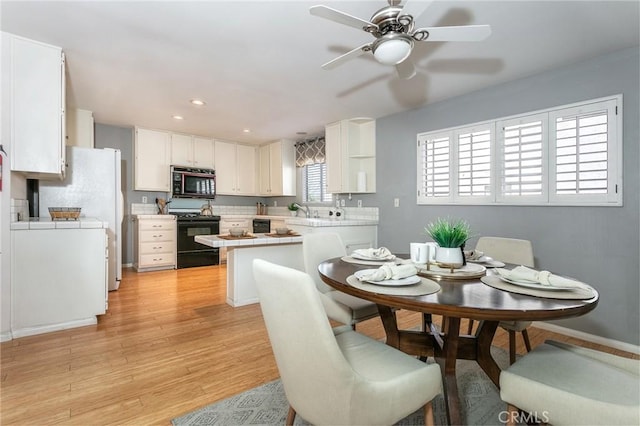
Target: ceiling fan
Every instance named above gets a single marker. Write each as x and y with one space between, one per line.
393 27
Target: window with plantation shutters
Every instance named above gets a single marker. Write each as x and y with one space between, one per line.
522 150
474 174
434 165
568 155
584 153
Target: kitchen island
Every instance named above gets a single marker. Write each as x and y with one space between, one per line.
241 287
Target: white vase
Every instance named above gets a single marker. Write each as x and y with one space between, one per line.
449 257
293 213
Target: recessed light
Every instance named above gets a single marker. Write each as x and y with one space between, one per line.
198 102
246 130
178 117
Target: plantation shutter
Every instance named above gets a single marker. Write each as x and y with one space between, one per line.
583 153
434 157
474 178
522 151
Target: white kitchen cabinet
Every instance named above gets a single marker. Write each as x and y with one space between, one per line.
155 243
151 160
80 128
278 169
226 225
235 168
351 156
192 151
34 83
59 279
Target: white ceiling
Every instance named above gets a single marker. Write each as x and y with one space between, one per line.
257 63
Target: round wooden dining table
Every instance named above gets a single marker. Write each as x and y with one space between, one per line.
456 299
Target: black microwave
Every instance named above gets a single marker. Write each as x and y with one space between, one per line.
193 183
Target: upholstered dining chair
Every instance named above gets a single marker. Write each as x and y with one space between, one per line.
563 384
519 252
336 376
340 307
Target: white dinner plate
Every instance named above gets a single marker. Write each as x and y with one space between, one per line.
488 263
414 279
386 259
534 285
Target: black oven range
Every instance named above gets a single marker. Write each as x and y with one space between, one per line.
190 253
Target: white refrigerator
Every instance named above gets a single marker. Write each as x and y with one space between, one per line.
93 183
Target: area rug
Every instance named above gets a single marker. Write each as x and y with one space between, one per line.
267 404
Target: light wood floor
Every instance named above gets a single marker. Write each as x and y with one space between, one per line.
169 344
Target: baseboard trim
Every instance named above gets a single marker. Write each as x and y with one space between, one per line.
616 344
30 331
6 336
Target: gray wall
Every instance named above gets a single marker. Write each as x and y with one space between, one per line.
599 245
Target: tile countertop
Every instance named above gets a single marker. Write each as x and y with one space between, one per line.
46 223
301 221
156 216
260 240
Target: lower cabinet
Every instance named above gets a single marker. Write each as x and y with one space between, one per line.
155 243
59 279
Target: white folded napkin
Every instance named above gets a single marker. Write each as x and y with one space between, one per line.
522 273
473 254
391 271
381 253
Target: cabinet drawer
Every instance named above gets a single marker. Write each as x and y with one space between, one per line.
158 259
157 235
152 225
157 247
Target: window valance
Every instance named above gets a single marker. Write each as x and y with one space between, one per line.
310 152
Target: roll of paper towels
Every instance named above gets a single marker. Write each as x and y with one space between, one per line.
362 181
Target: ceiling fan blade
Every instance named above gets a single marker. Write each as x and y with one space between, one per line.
340 17
347 56
415 8
405 69
462 33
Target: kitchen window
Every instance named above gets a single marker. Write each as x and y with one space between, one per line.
310 158
314 184
568 155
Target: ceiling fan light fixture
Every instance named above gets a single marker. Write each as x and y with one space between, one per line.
392 49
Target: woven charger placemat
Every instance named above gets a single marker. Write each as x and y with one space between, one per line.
241 237
577 294
425 286
350 259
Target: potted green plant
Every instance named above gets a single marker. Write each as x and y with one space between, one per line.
293 209
450 235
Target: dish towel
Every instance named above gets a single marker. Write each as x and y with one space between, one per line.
391 272
381 253
522 273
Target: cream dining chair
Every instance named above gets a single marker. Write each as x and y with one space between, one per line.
519 252
336 376
564 384
341 307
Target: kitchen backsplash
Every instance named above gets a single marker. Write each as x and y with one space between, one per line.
362 213
19 210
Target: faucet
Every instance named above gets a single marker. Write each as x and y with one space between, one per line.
305 208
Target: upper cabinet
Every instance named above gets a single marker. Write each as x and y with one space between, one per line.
192 151
152 152
351 156
80 128
235 168
33 87
278 169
